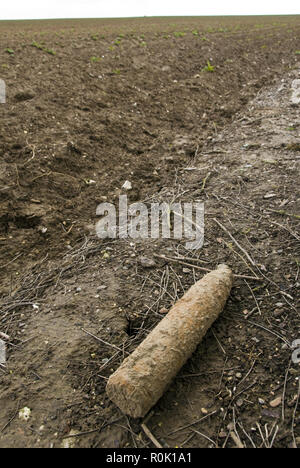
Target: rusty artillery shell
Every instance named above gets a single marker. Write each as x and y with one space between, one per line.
144 376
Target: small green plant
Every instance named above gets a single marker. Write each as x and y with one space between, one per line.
203 38
195 33
179 34
117 42
95 59
209 67
95 37
37 45
297 52
117 72
44 49
10 51
50 51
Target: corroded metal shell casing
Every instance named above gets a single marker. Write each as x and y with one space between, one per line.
144 376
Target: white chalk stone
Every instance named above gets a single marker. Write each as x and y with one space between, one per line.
295 99
2 352
127 185
2 92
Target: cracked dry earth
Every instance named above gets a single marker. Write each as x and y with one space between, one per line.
241 387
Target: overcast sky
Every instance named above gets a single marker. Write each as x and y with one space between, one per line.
37 9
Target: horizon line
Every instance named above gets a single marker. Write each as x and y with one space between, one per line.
146 16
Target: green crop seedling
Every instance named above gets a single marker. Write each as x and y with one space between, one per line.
179 34
209 67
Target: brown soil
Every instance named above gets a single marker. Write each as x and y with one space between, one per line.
111 101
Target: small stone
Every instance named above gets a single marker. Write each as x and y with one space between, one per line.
240 402
90 182
278 313
163 311
204 411
275 403
147 262
25 414
127 185
222 435
238 375
256 340
70 442
273 414
261 401
270 161
42 229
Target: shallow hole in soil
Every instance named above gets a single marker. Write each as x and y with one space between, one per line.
134 327
26 222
